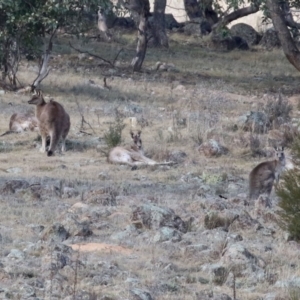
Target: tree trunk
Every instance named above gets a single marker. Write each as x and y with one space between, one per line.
158 31
288 45
144 11
285 7
192 9
10 61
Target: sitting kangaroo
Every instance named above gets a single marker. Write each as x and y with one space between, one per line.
262 177
133 155
53 122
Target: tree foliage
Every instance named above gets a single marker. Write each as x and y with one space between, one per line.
24 24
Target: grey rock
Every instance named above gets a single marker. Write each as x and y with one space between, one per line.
14 170
196 248
69 192
75 227
177 156
27 291
16 254
270 39
36 228
11 186
57 232
103 176
167 234
126 235
244 262
139 294
228 43
222 297
20 269
155 217
247 32
34 248
132 280
193 28
289 283
212 148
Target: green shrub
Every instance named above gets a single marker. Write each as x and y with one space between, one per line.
289 194
113 137
294 294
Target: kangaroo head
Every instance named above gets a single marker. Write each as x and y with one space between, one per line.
37 98
279 154
137 139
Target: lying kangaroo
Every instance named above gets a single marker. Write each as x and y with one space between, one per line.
20 122
53 122
133 155
262 177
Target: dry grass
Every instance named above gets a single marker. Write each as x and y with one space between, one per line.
208 90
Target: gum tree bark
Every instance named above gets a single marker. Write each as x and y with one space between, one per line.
278 16
192 9
158 31
144 11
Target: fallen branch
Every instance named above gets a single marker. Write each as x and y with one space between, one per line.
83 121
94 55
7 132
117 55
81 131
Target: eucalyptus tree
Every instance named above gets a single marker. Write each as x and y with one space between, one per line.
28 26
142 9
279 12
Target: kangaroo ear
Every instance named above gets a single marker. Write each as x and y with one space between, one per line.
139 133
131 133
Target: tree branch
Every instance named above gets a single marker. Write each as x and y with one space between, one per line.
44 71
288 15
94 55
239 13
117 56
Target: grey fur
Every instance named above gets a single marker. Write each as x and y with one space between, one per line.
262 177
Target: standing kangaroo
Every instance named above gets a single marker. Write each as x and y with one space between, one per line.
262 177
53 122
133 155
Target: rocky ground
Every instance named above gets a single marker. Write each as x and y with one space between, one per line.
73 226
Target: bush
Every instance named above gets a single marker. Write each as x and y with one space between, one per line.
289 194
278 111
213 220
113 137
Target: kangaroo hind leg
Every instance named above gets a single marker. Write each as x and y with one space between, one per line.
54 139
